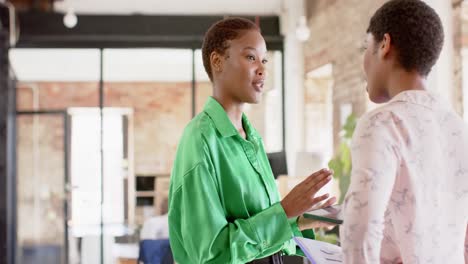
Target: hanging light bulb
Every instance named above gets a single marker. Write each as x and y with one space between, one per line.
302 30
70 20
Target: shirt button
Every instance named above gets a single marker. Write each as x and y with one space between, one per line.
265 243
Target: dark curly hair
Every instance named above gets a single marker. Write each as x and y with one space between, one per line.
218 35
415 30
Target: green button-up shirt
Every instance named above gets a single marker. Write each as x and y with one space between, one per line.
223 201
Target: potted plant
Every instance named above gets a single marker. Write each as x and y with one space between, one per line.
341 162
341 165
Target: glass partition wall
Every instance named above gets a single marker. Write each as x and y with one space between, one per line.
49 81
97 135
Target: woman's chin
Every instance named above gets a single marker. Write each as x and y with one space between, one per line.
254 98
378 99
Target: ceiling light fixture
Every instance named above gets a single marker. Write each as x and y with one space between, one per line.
70 20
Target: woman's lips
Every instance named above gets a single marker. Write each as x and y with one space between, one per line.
258 85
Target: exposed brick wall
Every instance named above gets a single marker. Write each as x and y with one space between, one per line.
161 111
203 91
337 32
57 96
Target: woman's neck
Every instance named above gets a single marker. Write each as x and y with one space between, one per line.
404 81
233 110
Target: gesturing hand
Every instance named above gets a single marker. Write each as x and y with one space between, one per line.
302 197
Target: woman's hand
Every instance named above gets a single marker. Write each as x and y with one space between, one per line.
327 203
302 197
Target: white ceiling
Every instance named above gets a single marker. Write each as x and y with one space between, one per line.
146 65
173 7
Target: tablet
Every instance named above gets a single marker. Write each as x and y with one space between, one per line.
331 214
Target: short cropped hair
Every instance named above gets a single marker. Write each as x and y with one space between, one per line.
415 30
218 35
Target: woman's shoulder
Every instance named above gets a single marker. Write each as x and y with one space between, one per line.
193 147
200 126
379 115
384 121
190 154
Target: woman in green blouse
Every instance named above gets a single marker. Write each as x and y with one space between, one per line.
224 206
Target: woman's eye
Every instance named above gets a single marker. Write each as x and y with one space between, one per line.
264 61
250 57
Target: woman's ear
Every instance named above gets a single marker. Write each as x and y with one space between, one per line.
216 62
384 46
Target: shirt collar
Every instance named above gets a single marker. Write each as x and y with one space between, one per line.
252 134
222 122
420 97
220 119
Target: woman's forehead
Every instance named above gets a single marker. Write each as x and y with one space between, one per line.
251 40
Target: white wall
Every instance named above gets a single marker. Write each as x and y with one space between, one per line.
441 79
294 80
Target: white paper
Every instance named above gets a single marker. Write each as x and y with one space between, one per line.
319 252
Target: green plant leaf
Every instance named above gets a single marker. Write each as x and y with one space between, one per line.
337 167
344 185
341 163
349 126
346 158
